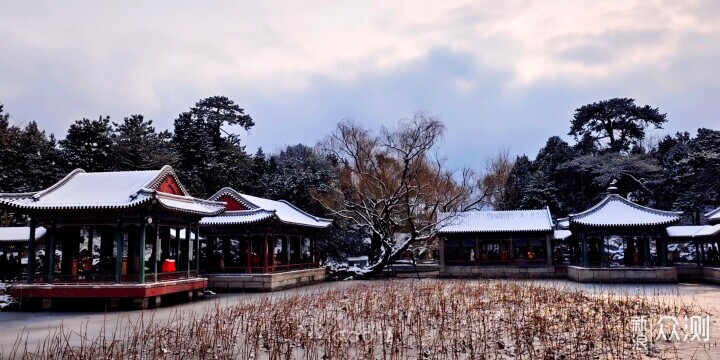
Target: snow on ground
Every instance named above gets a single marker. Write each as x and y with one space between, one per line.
36 325
5 299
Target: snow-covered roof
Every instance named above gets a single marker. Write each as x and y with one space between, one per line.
561 234
111 190
19 234
261 209
616 211
495 221
714 216
238 217
563 223
693 230
683 230
709 230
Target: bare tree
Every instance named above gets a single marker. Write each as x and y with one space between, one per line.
394 184
493 183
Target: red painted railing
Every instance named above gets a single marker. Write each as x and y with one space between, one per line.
512 262
259 269
171 276
110 279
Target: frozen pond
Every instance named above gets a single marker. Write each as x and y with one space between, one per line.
36 326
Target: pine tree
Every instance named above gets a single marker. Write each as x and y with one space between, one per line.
618 124
298 174
517 183
561 182
10 157
88 145
40 159
671 153
209 156
700 172
255 184
138 147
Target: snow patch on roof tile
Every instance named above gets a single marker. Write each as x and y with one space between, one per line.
239 217
495 221
109 190
693 230
714 216
615 210
708 230
683 231
284 211
16 234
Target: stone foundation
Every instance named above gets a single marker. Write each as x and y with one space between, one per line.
711 275
264 282
623 275
514 272
588 275
697 274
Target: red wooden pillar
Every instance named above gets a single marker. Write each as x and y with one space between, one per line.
286 251
249 254
31 251
188 255
265 252
312 250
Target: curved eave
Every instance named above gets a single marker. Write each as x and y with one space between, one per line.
210 221
318 226
713 213
207 208
548 230
190 211
43 207
20 241
615 197
39 237
609 226
316 218
240 222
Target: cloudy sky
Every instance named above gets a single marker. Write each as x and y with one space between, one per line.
498 73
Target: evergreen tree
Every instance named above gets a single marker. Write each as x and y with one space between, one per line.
635 175
29 160
298 174
255 184
671 153
88 145
138 147
700 173
40 159
517 183
538 192
209 156
617 122
10 157
561 182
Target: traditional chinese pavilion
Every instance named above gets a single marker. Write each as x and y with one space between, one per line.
496 243
636 234
702 264
13 245
113 230
261 244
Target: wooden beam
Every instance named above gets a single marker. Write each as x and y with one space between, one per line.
31 251
50 255
119 237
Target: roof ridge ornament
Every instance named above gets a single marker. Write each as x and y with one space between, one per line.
613 189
